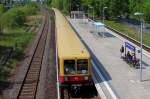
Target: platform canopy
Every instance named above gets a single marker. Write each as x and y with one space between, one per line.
77 14
98 24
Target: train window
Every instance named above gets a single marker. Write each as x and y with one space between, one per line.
69 67
82 66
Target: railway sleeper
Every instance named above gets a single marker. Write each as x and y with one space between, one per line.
26 97
32 77
37 57
35 67
28 89
27 93
36 63
39 54
31 80
41 45
36 60
79 90
34 70
33 74
29 85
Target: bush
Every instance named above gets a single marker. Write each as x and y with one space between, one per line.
12 18
1 10
30 9
15 16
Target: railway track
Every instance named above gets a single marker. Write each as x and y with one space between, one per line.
51 92
29 85
147 48
85 93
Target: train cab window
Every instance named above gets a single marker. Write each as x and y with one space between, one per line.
82 66
69 67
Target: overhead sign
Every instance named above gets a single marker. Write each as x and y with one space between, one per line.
129 46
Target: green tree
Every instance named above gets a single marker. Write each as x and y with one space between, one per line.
118 8
1 12
66 6
146 9
132 4
1 9
63 5
48 2
56 3
12 18
29 9
123 8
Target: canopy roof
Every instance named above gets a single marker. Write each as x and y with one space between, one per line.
98 24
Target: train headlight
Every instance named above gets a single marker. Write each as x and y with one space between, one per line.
66 78
86 78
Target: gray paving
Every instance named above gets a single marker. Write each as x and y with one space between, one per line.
124 79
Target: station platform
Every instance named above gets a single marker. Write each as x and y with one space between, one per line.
123 79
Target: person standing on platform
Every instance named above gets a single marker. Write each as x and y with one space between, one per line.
121 51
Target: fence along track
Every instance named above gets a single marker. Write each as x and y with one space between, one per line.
147 48
30 82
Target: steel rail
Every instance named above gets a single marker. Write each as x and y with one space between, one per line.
30 82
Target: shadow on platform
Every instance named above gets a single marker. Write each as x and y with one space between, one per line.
100 67
106 34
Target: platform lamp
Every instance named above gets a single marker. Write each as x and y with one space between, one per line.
92 12
88 10
70 7
104 18
141 31
78 9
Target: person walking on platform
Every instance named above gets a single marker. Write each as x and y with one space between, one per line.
129 56
122 51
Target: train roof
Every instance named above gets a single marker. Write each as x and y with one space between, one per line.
68 43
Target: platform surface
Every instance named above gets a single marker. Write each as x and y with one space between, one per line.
124 79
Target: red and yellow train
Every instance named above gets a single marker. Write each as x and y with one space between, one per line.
73 58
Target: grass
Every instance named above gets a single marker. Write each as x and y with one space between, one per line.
130 31
15 36
19 38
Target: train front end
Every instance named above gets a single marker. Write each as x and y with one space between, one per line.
75 71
